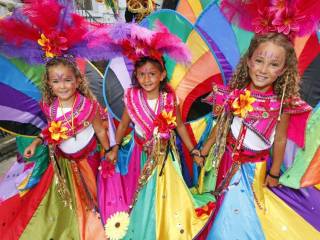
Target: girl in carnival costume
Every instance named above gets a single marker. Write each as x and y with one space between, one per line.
259 111
149 183
63 204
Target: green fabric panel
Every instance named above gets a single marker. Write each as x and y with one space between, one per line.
203 199
52 220
143 226
170 65
209 183
211 173
243 38
293 175
205 3
173 22
32 72
65 168
41 156
177 25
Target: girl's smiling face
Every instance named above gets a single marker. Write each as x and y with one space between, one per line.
63 83
266 65
149 78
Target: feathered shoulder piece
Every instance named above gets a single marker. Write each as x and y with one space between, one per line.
43 29
289 17
135 42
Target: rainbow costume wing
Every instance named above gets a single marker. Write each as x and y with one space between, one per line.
19 109
20 115
215 54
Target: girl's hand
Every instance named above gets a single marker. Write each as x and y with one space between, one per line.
29 151
197 157
199 160
271 181
112 156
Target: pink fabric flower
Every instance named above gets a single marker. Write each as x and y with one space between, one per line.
277 6
288 22
263 23
106 168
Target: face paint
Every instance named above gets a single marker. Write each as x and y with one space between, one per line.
266 64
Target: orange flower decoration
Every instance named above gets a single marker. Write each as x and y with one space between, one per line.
55 133
169 117
44 42
53 45
206 209
243 104
165 122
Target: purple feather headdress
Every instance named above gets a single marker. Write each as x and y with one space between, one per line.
135 42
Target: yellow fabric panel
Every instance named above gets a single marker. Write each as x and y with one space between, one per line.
278 220
196 7
299 44
205 67
197 48
23 184
185 9
170 190
198 127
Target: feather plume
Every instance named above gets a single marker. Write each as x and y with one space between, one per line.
135 41
35 12
33 36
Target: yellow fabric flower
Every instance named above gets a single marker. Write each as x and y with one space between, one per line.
57 132
243 104
168 116
116 226
44 42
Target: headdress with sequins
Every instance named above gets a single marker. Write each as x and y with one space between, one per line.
43 29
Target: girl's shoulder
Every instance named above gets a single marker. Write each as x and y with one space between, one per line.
295 106
217 97
45 107
132 89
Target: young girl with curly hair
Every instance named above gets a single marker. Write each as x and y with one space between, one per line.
256 114
64 202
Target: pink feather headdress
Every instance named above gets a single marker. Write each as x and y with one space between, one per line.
135 42
43 29
289 17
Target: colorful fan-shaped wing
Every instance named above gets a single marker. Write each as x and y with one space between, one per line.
19 109
20 113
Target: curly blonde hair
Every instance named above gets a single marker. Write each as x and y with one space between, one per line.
290 77
287 82
47 94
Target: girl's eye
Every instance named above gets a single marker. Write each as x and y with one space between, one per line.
54 81
274 64
258 60
140 75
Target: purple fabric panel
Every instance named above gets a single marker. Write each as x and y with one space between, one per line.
17 100
304 201
11 114
290 153
222 61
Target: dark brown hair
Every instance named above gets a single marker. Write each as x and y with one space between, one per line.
156 63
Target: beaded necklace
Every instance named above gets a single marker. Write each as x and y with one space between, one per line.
72 117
